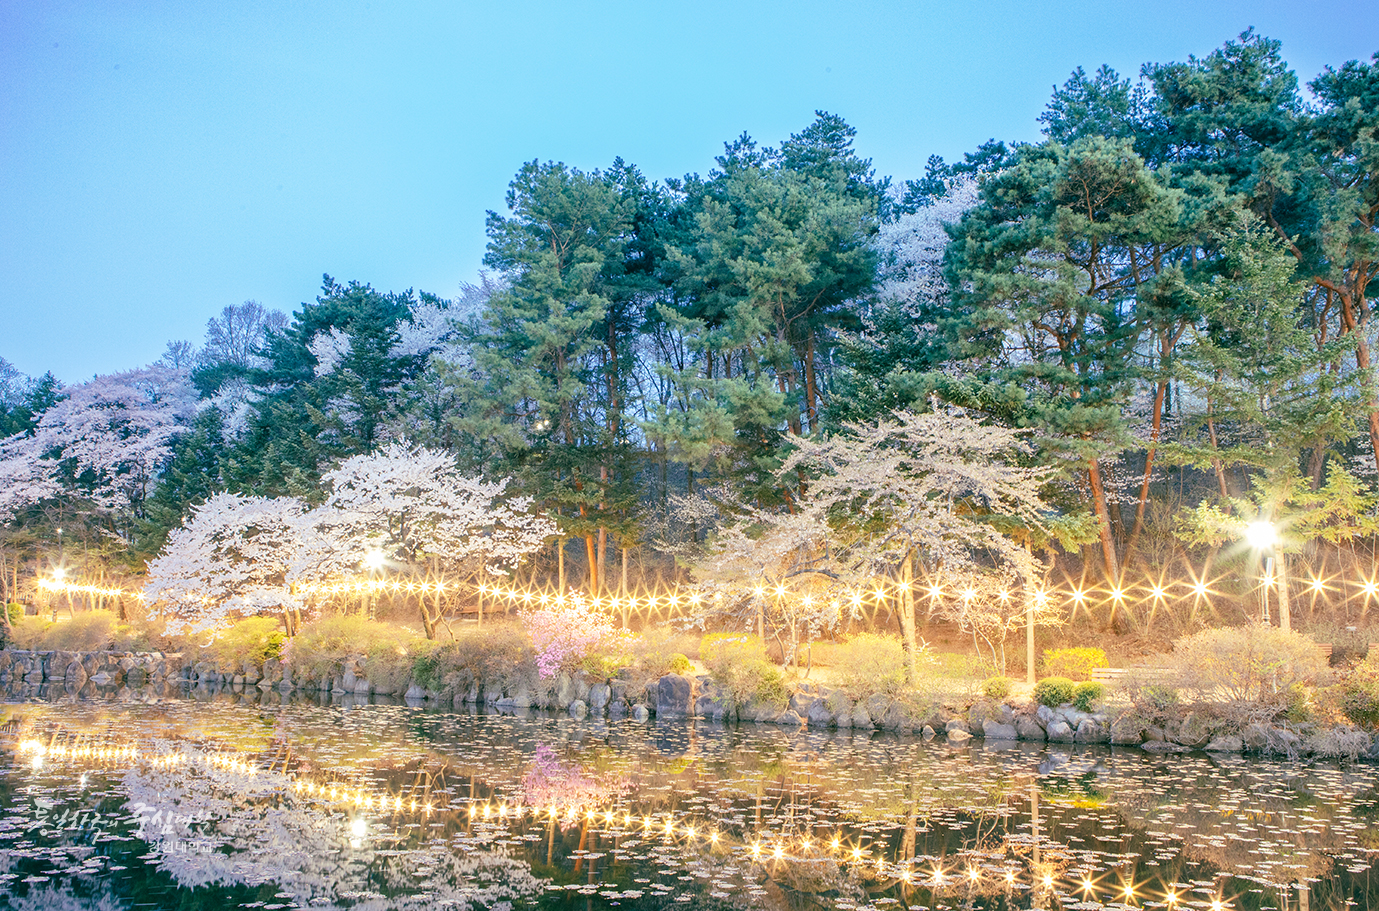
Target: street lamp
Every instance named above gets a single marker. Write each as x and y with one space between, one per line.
1262 536
373 561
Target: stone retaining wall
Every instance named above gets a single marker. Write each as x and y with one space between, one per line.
679 696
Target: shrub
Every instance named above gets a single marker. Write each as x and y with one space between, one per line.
1154 696
1250 665
738 663
1054 691
868 664
135 637
1073 663
1360 693
87 631
28 633
996 688
1087 694
497 649
253 640
565 635
659 651
320 648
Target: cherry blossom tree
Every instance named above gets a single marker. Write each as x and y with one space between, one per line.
235 556
104 445
415 505
939 489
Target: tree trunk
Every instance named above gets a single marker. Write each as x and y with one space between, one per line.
907 621
811 387
560 561
591 554
1285 607
1108 544
1132 548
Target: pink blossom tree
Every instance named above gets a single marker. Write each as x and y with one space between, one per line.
101 447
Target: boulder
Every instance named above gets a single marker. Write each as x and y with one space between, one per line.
927 732
1090 731
564 691
861 718
819 714
996 730
579 708
959 735
789 716
896 719
673 694
956 724
800 703
640 713
599 694
876 706
1059 732
1045 715
415 692
1225 743
714 707
1194 731
1163 746
1029 728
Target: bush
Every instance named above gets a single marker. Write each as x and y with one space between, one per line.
1087 694
1245 666
659 651
1054 691
1154 696
868 664
28 633
566 635
87 631
996 688
1074 663
497 649
253 640
739 664
319 650
1360 693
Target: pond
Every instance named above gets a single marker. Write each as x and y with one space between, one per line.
232 803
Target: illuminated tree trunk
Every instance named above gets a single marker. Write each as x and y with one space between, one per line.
907 620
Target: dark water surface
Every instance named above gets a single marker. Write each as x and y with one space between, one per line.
234 804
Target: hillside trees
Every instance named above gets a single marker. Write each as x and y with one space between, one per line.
554 350
1052 265
765 259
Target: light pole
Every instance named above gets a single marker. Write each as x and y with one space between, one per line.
373 561
1262 536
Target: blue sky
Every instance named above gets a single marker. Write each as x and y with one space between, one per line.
161 160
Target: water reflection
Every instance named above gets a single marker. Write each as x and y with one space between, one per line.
231 803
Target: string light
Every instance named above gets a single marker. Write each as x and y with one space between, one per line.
357 798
